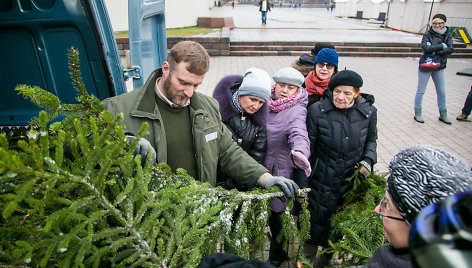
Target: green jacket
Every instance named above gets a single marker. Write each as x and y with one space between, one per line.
214 145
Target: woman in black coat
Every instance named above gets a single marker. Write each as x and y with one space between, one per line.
342 128
244 111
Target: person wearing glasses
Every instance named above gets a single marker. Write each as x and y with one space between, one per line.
419 176
342 128
438 41
316 82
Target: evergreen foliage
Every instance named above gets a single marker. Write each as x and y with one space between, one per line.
356 224
73 195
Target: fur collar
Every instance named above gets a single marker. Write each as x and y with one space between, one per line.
223 93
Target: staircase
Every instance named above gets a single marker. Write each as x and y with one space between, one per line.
343 48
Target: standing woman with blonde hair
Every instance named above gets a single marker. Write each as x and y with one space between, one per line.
438 41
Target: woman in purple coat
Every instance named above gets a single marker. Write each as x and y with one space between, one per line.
288 145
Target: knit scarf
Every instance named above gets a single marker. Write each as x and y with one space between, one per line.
236 102
442 31
314 85
282 104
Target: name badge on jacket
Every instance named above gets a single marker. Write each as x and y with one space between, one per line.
211 136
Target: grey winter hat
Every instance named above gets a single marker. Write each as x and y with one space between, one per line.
289 75
256 82
422 175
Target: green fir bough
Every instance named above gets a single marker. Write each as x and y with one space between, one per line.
72 194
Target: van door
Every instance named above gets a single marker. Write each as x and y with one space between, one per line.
147 37
35 38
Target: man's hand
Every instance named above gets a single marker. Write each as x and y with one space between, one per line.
289 187
143 148
301 162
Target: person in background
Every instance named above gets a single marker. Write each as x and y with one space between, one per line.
305 63
419 176
325 66
288 146
264 7
438 40
467 108
342 128
244 110
185 126
441 235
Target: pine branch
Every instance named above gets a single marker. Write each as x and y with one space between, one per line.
73 194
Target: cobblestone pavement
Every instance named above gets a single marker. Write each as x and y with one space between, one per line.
393 83
307 24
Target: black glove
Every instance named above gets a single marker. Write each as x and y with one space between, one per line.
143 148
289 187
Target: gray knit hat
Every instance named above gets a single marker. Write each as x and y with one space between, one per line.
422 175
289 75
256 82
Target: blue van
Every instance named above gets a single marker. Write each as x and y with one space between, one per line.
35 36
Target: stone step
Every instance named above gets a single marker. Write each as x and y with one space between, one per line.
307 49
342 54
356 49
336 44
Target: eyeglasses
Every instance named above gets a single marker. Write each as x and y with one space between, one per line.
438 23
390 217
321 65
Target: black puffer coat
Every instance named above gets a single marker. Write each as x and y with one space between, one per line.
389 257
435 39
339 139
249 131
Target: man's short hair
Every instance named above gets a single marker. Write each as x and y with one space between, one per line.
191 52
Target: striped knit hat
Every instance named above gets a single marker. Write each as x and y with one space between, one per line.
422 175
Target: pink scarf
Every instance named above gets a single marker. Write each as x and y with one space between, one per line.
282 104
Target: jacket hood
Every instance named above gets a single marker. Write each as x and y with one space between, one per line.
223 93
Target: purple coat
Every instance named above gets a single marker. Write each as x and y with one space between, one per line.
286 131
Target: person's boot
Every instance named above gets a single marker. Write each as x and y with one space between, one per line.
462 117
309 251
443 117
418 117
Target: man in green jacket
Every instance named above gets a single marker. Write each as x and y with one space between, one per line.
185 126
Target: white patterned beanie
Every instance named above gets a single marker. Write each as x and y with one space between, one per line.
422 175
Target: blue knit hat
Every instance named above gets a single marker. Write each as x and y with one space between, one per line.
328 55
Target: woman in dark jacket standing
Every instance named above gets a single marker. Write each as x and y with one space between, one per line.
343 136
437 40
244 111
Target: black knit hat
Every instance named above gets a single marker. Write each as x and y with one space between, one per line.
319 46
345 78
421 175
440 16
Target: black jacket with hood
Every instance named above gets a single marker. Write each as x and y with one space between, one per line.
249 130
339 139
431 43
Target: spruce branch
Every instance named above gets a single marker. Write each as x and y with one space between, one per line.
73 194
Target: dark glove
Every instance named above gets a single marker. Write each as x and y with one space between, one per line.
143 148
364 169
289 187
